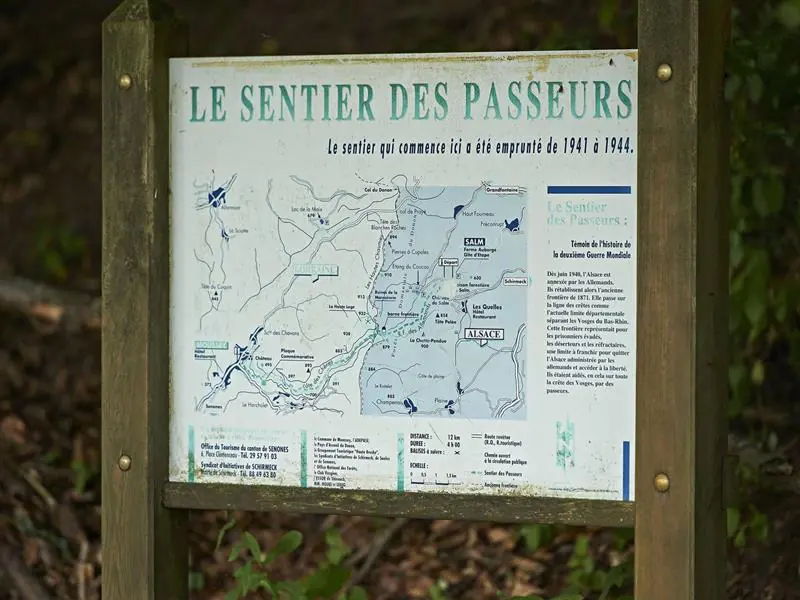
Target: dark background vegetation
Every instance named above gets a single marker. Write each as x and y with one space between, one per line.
50 224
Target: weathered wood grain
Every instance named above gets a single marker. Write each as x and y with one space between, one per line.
379 503
682 300
144 544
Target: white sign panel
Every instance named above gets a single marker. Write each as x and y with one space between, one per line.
410 273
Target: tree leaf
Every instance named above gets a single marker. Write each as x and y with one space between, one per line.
535 536
234 594
740 540
788 14
328 580
337 549
357 593
251 543
225 528
599 578
619 575
288 543
757 373
582 546
244 577
732 85
774 193
759 525
755 87
588 564
294 589
760 202
607 14
734 518
736 249
622 537
755 308
197 581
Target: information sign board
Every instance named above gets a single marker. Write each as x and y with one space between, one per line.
405 272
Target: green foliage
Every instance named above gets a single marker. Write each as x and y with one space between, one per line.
765 281
197 581
57 249
537 536
436 591
586 578
747 524
327 581
82 472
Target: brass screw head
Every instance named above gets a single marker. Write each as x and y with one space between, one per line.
661 482
125 81
124 462
664 72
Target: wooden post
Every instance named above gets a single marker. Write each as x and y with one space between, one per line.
144 545
682 300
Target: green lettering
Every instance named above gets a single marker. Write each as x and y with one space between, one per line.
601 93
310 92
421 111
440 95
287 101
533 98
573 98
554 88
399 112
195 118
217 96
265 95
326 98
343 110
247 103
493 104
471 92
365 94
625 98
514 90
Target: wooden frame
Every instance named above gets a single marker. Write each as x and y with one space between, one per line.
144 544
682 296
682 302
500 509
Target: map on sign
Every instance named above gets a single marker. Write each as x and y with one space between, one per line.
386 283
433 322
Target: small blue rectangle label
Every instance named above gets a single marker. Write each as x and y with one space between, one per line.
626 471
588 189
